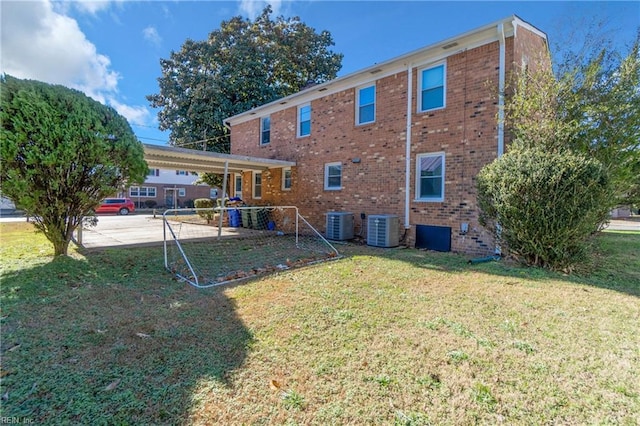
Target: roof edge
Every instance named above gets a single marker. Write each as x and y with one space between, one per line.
513 20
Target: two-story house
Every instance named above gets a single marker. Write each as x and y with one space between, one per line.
169 188
403 137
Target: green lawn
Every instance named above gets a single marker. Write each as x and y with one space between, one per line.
382 336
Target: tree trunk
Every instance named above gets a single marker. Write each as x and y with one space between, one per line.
60 247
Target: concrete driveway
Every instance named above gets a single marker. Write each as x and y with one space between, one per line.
145 230
121 231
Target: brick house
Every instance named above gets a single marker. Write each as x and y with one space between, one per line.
168 188
404 137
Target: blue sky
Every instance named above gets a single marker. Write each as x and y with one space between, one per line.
111 49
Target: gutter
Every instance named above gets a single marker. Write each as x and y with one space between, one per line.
407 155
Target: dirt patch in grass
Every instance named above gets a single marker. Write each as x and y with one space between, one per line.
397 336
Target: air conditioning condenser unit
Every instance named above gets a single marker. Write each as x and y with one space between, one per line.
339 226
383 230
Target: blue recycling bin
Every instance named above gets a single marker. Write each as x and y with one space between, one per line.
235 220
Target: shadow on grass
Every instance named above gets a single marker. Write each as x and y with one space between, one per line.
113 339
614 265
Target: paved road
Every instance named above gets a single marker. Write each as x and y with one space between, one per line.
624 225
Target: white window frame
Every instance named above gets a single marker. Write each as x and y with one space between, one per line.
419 180
237 185
284 179
263 130
326 177
442 64
182 192
359 105
299 121
254 186
142 191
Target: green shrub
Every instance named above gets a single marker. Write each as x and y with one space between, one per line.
204 203
543 206
150 204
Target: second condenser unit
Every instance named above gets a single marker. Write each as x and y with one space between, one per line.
383 230
339 226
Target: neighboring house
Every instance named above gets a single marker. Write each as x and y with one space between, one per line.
169 189
362 145
621 212
6 205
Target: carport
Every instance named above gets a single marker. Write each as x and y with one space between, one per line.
139 230
169 157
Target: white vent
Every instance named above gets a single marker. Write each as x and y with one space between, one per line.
339 226
383 230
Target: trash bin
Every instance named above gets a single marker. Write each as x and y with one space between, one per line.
235 220
246 218
259 219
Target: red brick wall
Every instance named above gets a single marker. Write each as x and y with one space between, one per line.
466 130
192 192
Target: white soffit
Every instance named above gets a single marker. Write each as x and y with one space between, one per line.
168 157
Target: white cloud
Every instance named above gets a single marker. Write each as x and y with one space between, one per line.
136 115
253 8
91 6
42 44
151 35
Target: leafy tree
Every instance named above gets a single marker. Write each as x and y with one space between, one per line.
62 152
242 65
592 106
544 205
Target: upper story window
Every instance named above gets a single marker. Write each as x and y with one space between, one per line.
182 173
265 130
257 185
430 177
333 176
432 88
304 120
286 179
366 105
153 172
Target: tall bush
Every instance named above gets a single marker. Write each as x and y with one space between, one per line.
543 206
204 203
62 153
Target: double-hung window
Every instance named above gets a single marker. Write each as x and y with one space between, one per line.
265 130
333 176
432 88
430 177
257 185
366 102
304 120
238 185
286 179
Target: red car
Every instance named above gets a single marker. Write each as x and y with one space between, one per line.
121 206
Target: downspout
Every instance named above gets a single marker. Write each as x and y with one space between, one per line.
407 167
501 83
